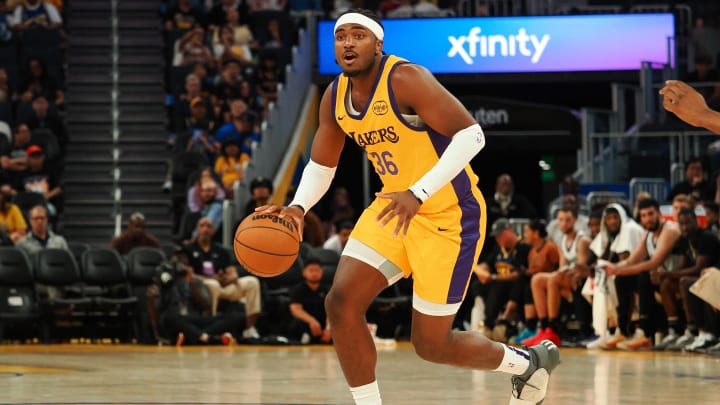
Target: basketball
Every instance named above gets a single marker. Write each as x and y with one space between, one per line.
266 245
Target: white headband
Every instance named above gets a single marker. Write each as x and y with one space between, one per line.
359 19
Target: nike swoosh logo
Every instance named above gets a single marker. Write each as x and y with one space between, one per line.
341 118
443 229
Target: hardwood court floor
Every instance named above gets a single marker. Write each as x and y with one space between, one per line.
118 374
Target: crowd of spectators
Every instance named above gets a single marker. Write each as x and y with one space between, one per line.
33 136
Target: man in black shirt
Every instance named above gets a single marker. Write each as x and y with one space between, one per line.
712 222
502 272
211 262
307 306
698 249
695 184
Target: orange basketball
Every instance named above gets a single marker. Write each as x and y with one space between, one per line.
266 245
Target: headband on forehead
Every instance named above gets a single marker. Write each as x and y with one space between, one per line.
359 19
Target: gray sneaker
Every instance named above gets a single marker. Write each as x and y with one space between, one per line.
531 387
681 342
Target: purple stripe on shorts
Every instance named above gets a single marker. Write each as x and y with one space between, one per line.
470 224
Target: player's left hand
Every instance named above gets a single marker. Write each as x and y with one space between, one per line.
403 205
684 101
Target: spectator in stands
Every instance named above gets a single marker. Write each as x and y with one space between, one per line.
633 274
36 14
698 250
11 218
695 183
210 204
313 232
712 220
227 83
206 85
184 16
239 129
261 5
618 237
704 72
689 106
182 107
13 158
136 235
242 33
40 236
37 81
272 36
542 258
230 165
5 92
337 242
570 186
340 208
307 306
226 48
198 135
42 179
211 262
581 223
269 75
6 33
548 289
194 199
43 117
191 49
220 13
501 272
508 204
185 307
250 97
261 189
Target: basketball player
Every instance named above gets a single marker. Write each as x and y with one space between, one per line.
428 220
549 288
689 105
633 273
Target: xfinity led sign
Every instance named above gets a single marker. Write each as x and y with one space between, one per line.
520 44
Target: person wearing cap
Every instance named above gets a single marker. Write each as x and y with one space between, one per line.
502 272
134 236
199 129
39 178
428 221
261 188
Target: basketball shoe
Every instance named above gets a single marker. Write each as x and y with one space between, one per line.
703 341
600 342
527 333
612 343
530 388
544 334
668 340
637 341
681 341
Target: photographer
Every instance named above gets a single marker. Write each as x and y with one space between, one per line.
180 304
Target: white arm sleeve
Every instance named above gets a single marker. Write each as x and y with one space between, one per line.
465 144
314 183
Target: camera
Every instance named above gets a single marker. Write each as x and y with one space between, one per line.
169 270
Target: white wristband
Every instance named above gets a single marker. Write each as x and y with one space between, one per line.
465 144
314 183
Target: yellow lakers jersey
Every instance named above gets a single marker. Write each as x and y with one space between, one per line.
401 147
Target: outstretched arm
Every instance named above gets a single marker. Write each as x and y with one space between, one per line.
689 105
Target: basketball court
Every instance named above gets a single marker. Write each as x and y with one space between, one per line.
131 374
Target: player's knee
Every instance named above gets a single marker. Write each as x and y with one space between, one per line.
429 349
335 303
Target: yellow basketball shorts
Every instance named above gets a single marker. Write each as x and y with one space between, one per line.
439 250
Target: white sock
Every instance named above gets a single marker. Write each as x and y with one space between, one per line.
515 361
368 394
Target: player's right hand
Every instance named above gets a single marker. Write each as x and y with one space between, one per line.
296 215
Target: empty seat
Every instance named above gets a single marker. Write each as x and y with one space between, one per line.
142 265
18 305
